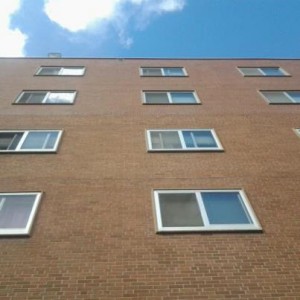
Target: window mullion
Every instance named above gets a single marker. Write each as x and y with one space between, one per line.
289 97
46 97
261 71
194 140
60 72
2 201
202 209
162 71
180 134
18 147
169 97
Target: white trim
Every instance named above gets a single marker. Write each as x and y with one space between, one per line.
263 74
184 148
168 93
23 138
60 72
34 209
297 131
162 70
254 226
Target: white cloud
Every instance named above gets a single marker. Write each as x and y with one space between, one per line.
12 40
80 15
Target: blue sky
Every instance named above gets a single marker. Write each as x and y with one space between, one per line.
151 28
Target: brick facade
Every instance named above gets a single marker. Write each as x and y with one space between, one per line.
94 235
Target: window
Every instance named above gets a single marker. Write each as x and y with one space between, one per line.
166 71
282 97
203 210
183 140
263 71
60 71
178 97
297 130
17 212
29 140
46 97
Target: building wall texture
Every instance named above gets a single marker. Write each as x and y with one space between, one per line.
94 235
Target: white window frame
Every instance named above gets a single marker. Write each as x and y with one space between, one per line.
283 92
163 74
297 131
262 74
170 97
255 226
184 148
61 71
48 93
23 138
27 229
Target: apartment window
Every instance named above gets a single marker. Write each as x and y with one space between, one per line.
172 97
282 97
46 97
17 212
263 71
297 130
165 71
29 140
203 210
61 71
183 140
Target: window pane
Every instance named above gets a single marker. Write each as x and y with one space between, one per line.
194 139
295 95
49 71
179 210
173 72
251 71
272 71
152 72
37 97
156 98
72 71
183 97
60 97
165 140
15 210
225 208
277 97
40 140
9 140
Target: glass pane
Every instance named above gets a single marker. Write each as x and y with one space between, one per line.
173 72
40 140
37 97
272 71
9 140
225 208
251 71
156 98
277 97
152 72
49 71
194 139
165 140
72 71
59 97
295 95
15 210
179 210
183 97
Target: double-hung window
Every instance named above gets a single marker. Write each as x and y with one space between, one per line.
29 140
282 97
183 140
17 212
263 71
170 97
60 71
163 71
46 97
203 210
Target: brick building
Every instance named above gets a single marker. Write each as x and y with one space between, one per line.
149 179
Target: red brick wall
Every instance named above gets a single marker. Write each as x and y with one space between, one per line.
94 235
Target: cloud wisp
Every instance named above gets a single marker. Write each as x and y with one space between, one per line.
12 40
92 15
